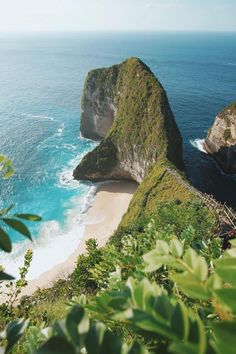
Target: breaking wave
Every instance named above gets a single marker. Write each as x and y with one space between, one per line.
198 144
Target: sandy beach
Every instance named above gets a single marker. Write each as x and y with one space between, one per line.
110 203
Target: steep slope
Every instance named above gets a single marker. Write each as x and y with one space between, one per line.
98 104
221 139
163 184
128 106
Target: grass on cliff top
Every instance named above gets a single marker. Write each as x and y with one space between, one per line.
159 186
98 162
144 129
144 120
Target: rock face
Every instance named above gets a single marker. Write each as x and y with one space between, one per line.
221 139
127 107
98 105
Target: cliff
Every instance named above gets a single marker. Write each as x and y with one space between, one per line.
127 107
221 139
99 102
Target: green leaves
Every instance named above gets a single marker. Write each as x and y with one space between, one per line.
5 242
191 270
179 309
180 321
13 332
225 340
95 338
6 210
227 297
29 217
176 248
226 269
18 226
76 335
149 311
158 257
56 345
5 276
6 167
77 325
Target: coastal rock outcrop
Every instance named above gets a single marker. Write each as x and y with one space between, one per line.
99 101
221 139
127 107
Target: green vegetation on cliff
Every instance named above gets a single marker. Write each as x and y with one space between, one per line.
144 130
163 184
102 158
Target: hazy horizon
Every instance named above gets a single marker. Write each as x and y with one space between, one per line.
123 16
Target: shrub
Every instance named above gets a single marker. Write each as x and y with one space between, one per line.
163 323
81 275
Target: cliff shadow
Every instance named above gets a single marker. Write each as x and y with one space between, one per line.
226 159
120 186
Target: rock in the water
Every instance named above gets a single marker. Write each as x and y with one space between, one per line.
221 139
127 106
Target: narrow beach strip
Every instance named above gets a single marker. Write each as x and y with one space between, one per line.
111 202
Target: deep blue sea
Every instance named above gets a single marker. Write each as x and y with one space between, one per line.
41 81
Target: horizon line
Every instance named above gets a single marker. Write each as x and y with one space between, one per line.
115 31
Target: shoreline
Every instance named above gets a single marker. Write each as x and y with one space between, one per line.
110 203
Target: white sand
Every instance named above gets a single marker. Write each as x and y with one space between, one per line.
102 219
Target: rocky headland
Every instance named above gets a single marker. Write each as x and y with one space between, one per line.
127 107
221 139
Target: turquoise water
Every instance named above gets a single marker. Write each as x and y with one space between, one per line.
41 83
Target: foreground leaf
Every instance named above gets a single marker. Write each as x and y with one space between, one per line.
29 217
13 332
18 226
5 242
5 276
56 345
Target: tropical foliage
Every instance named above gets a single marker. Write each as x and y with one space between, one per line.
161 285
195 314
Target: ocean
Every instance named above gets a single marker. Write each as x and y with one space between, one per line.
41 82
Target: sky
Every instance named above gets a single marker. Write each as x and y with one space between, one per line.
117 15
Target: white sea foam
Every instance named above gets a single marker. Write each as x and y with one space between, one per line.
38 116
44 144
199 144
60 130
54 243
69 147
66 179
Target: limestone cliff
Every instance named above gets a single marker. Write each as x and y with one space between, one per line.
221 139
127 106
98 104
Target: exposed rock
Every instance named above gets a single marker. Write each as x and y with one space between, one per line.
221 139
128 106
98 105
